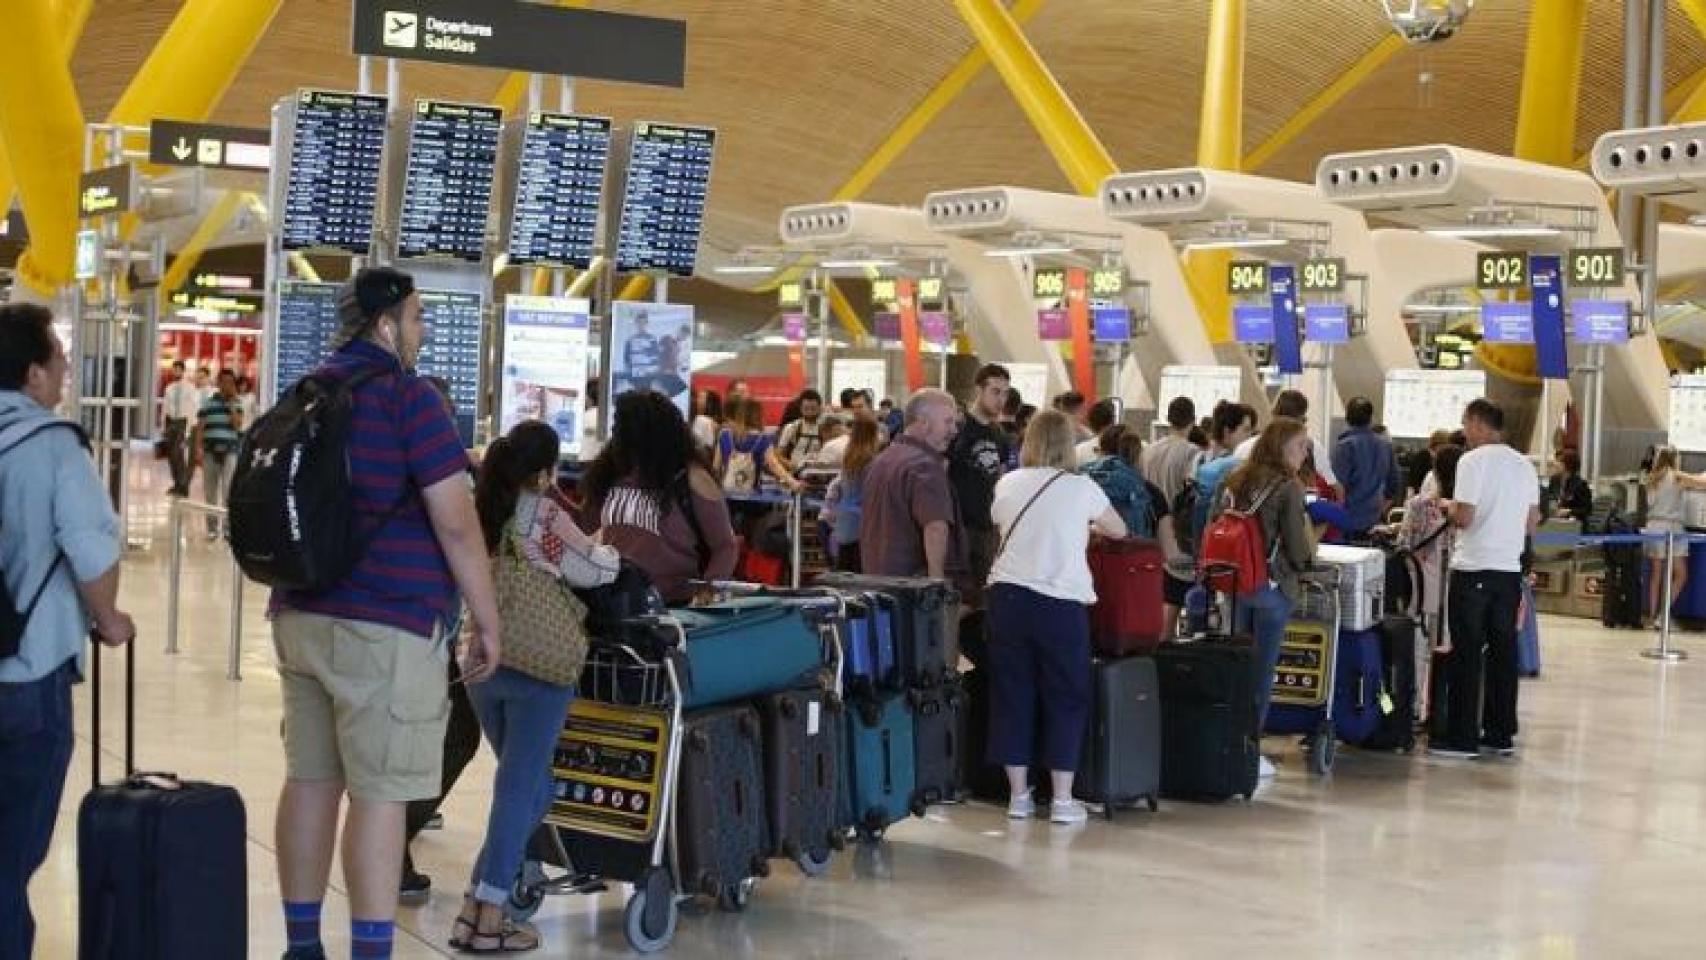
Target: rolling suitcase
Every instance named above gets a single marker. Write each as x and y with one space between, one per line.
1127 618
881 770
1208 718
722 836
161 862
803 742
1359 706
1527 635
1397 727
938 743
979 778
868 654
927 623
745 648
1121 764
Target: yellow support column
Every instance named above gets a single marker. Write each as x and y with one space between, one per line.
205 234
1551 82
1220 146
69 16
638 286
1075 147
39 113
195 61
583 283
843 310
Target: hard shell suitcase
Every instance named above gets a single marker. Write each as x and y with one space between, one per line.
1362 583
803 764
161 862
1121 764
1127 618
745 648
1397 728
927 622
938 743
881 770
1208 718
723 835
869 663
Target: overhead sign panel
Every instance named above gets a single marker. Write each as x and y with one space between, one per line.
307 321
1507 322
559 187
455 319
1595 267
338 141
1600 321
1326 323
107 190
529 37
663 206
447 184
1501 271
180 143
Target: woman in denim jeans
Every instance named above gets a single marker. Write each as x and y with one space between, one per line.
520 715
1268 484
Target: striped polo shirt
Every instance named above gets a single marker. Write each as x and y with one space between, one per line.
218 427
402 442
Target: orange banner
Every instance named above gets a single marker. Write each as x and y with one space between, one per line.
907 292
1078 312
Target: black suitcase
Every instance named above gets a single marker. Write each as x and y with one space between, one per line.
162 863
939 732
1121 764
723 835
1397 727
927 623
1208 719
979 779
1623 602
803 741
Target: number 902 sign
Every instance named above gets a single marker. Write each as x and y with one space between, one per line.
1501 271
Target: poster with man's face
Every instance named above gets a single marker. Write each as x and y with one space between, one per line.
651 348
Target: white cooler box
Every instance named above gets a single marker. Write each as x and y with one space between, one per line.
1362 583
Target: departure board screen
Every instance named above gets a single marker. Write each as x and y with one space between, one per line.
447 184
333 185
307 321
663 207
454 320
558 190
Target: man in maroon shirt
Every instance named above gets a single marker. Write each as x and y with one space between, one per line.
909 523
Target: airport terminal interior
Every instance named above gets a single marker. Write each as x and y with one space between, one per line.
1398 237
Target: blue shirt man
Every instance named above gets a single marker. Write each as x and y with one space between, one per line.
59 550
1366 468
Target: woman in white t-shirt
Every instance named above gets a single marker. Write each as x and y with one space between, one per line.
1039 600
1666 484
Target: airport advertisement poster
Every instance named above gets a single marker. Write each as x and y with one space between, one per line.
651 348
545 359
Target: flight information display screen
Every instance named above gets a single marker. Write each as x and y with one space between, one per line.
455 320
307 321
447 183
333 183
559 187
663 207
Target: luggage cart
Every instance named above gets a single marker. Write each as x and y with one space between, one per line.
616 772
1306 676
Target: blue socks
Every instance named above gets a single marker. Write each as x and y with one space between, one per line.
371 939
302 926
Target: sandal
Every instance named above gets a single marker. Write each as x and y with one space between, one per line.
457 941
510 939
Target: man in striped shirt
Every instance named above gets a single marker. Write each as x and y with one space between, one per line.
364 663
217 427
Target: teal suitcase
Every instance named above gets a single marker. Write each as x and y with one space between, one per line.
881 764
748 648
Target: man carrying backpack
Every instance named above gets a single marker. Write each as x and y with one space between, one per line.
59 556
363 660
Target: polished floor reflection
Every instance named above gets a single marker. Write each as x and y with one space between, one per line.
1593 844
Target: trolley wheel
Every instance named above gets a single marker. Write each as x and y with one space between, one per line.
814 863
735 897
1154 803
528 893
868 835
1326 747
649 919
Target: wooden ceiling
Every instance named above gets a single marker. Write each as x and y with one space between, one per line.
803 91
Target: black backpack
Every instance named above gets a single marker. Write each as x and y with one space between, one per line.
13 622
292 520
1184 512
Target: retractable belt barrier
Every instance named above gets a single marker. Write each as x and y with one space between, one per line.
234 641
1664 651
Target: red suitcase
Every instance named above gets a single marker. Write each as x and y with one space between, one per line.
1127 618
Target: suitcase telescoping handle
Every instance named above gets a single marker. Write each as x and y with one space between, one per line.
129 709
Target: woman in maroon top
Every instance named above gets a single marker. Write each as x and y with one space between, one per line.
655 499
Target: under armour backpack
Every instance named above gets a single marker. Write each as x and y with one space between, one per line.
292 517
1234 556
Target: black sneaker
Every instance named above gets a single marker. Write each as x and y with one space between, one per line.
1500 748
415 889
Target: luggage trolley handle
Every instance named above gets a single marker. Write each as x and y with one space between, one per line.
129 709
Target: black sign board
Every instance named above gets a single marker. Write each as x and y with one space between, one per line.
1324 275
529 37
663 206
104 191
1501 271
1247 278
333 183
179 143
559 187
447 186
1594 267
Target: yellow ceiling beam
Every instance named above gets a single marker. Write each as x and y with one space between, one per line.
581 284
195 61
1220 146
1329 97
1696 11
1069 139
69 16
206 232
1551 82
843 310
638 286
39 107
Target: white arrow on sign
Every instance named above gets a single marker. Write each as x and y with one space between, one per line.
182 149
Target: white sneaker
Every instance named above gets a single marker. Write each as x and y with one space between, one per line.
1021 807
1067 812
1265 769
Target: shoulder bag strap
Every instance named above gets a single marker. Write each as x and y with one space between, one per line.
1002 548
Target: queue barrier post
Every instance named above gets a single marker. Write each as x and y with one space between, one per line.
234 638
1664 652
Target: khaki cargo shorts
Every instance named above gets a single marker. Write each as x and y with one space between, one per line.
363 703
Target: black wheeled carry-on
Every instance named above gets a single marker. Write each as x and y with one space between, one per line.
1208 718
939 743
162 864
1122 747
723 835
927 623
803 766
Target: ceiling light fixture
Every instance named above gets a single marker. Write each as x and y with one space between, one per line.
859 264
1493 231
1236 243
1056 250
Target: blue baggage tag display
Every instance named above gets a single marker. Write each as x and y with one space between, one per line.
1253 323
1600 321
1507 323
1326 323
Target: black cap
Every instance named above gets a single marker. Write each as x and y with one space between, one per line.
378 289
